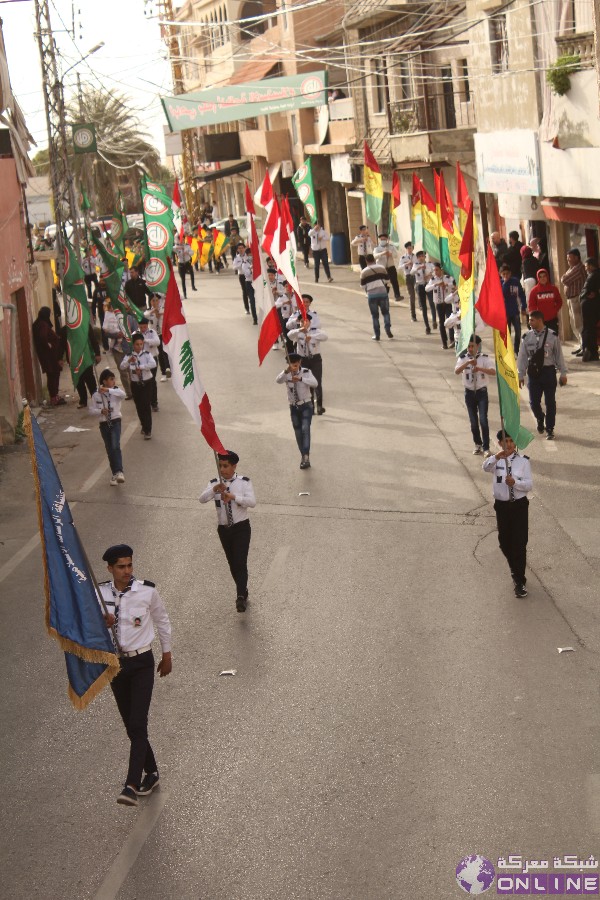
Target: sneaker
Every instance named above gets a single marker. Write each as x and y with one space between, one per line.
389 334
163 377
114 481
240 604
320 410
120 477
478 449
375 337
147 436
487 453
540 426
168 373
247 312
550 435
577 352
520 590
127 797
149 782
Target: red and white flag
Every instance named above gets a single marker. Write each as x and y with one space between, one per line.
265 196
179 214
185 377
268 320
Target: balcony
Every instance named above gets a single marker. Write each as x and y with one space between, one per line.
581 45
431 126
274 146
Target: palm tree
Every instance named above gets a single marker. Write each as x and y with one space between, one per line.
124 149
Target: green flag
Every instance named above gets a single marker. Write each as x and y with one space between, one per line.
115 270
77 314
159 231
84 203
303 182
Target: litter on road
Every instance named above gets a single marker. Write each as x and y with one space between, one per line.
72 428
566 649
228 672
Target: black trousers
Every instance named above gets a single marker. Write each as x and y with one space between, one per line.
90 280
186 269
87 379
315 365
590 313
235 540
133 692
321 257
362 261
392 272
142 397
443 311
243 283
163 359
410 286
154 392
305 247
513 530
423 305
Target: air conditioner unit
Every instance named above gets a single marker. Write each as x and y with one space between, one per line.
287 168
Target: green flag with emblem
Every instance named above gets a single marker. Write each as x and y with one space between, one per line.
77 323
159 232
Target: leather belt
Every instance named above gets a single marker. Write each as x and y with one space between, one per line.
136 652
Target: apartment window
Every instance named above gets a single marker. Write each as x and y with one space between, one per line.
499 43
378 85
463 74
405 80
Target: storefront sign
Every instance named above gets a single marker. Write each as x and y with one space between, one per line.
243 101
508 162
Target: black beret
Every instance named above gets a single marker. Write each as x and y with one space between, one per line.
230 456
119 551
294 357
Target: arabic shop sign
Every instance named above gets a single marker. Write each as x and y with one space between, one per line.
243 101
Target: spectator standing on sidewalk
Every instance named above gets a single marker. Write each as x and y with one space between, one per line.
546 298
590 310
319 238
303 239
49 349
573 281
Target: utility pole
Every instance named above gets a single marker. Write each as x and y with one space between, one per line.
61 175
171 38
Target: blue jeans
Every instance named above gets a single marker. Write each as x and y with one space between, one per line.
111 435
477 407
301 419
544 386
376 303
514 323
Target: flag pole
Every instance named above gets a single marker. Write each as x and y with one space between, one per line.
112 628
511 493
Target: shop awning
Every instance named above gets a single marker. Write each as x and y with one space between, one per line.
223 173
577 213
255 70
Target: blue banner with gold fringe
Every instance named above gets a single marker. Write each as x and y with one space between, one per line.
73 613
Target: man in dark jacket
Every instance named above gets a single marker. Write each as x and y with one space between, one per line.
136 289
513 255
303 240
590 311
49 349
514 301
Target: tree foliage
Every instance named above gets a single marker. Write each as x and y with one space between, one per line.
124 148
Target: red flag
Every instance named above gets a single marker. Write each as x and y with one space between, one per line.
266 194
467 246
490 304
395 190
253 237
446 206
269 332
249 201
270 227
415 196
462 194
426 198
370 161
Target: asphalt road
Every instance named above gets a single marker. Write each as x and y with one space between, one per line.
395 707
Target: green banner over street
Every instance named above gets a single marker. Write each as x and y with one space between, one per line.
243 101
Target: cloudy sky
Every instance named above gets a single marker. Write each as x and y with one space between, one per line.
133 61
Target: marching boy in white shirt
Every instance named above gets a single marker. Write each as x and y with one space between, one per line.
106 403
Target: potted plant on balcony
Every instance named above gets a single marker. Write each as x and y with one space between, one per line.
557 75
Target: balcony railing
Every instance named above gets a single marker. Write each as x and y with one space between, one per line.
434 112
341 109
581 45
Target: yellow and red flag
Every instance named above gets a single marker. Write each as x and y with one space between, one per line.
373 187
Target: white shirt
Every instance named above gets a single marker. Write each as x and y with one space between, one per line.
386 255
421 271
407 261
318 238
307 348
110 400
112 325
286 304
184 253
140 611
437 287
363 244
296 318
151 342
241 487
143 361
473 381
520 469
298 391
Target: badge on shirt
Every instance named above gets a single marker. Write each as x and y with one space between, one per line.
137 621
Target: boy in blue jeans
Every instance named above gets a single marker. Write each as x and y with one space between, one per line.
106 403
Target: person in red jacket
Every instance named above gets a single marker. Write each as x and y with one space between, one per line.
545 297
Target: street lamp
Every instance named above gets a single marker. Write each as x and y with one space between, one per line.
85 56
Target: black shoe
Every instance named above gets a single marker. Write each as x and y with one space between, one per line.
577 352
320 410
240 604
520 590
413 318
127 797
550 435
540 426
428 331
330 280
389 334
434 325
149 782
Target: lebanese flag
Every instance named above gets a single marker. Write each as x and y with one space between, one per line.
178 207
265 196
268 320
271 228
185 377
